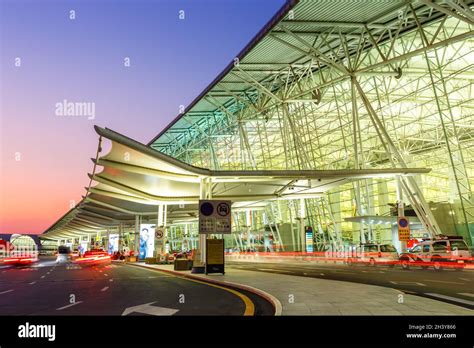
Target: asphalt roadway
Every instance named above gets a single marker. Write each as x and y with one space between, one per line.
448 285
115 289
118 289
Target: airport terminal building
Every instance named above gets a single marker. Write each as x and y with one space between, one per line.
336 119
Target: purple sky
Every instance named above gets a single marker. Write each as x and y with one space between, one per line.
45 157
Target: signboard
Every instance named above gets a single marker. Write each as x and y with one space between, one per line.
147 241
83 247
309 239
215 217
159 233
215 256
403 229
113 243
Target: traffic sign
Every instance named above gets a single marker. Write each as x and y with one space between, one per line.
215 217
159 232
403 229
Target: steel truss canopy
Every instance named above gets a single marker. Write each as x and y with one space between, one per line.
308 47
136 179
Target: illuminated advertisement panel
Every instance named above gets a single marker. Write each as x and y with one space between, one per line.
83 247
309 239
147 241
113 243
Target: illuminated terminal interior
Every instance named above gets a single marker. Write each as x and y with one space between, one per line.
330 118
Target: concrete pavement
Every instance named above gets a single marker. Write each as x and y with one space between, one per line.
311 296
448 285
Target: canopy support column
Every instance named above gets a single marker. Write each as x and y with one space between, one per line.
400 213
205 192
301 218
137 236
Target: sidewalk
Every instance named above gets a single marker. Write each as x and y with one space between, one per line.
311 296
296 259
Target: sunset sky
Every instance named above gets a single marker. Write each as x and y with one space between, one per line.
45 158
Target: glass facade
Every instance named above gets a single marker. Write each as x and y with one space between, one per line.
416 111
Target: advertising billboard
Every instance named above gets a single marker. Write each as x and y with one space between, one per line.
309 239
113 243
147 241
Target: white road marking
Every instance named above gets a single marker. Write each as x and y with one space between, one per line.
321 274
305 273
454 299
111 280
407 283
42 277
147 308
466 294
105 274
70 305
465 279
274 270
32 283
442 281
4 292
105 288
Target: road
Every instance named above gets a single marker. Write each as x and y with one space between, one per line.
456 287
49 289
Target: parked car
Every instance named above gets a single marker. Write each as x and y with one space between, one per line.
445 251
374 254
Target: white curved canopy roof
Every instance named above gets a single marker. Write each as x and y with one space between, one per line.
135 179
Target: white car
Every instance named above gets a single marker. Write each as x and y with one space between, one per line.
442 252
63 255
374 254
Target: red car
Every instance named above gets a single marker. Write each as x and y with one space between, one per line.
9 256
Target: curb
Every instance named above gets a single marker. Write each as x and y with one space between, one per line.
270 298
